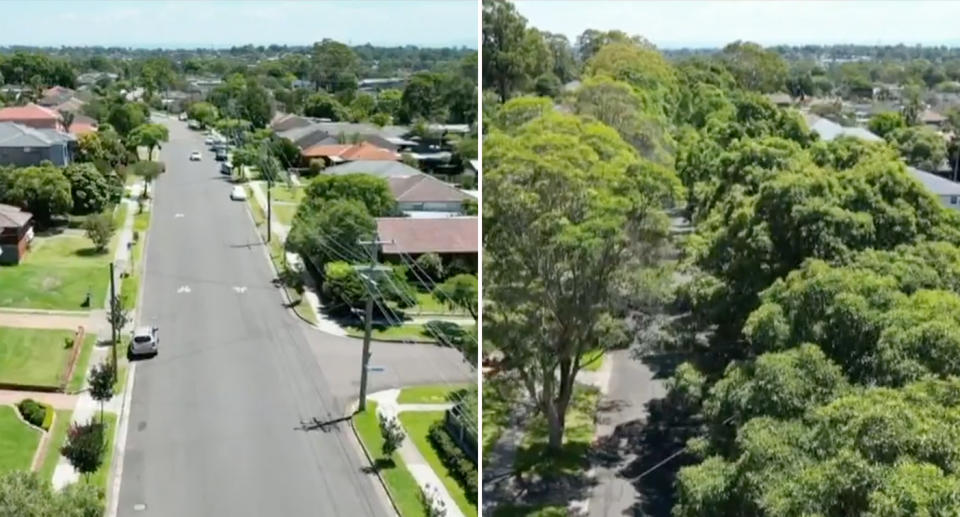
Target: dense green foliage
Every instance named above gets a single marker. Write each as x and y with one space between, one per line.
25 494
461 467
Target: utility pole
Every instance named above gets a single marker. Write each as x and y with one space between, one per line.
113 318
367 273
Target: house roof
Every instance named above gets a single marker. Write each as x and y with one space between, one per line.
29 112
829 130
931 117
82 128
13 217
936 184
442 235
18 135
288 121
361 151
382 168
423 188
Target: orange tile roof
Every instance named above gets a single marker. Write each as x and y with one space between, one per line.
361 151
29 112
80 128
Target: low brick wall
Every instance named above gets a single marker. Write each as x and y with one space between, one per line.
78 337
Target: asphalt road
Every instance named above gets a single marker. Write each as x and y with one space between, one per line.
221 421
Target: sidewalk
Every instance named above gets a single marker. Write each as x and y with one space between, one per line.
86 408
57 400
415 462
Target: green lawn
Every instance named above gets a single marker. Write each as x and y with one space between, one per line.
58 434
430 394
56 274
99 478
403 487
34 356
121 379
287 194
592 360
130 287
577 438
284 213
417 425
83 364
18 441
406 332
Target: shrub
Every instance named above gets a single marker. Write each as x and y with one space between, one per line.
342 284
446 332
431 265
32 411
392 433
100 229
461 467
316 167
47 417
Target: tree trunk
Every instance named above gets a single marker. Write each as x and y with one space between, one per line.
555 429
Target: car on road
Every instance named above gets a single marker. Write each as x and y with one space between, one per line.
238 194
221 155
195 156
145 341
208 140
182 116
226 168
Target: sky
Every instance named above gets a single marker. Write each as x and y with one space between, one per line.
714 23
188 23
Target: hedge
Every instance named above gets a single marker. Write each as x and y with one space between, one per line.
459 464
37 413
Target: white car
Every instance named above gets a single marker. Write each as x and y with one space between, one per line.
195 156
208 140
238 194
145 341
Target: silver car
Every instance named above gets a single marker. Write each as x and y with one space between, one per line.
145 341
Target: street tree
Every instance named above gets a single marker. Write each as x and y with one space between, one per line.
26 494
150 136
149 172
125 116
568 204
85 446
102 378
392 433
100 229
459 292
203 112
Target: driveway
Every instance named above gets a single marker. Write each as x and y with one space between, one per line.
217 419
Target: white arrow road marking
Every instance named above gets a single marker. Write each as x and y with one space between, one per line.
240 289
183 289
177 215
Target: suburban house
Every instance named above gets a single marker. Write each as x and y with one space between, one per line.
88 78
422 195
55 96
780 99
829 130
380 168
340 153
286 122
932 119
16 231
32 115
453 238
305 132
21 145
83 124
383 83
948 191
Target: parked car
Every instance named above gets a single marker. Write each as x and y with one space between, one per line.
208 140
238 194
196 156
221 155
145 341
226 168
182 116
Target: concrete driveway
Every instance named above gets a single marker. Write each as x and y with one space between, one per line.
217 419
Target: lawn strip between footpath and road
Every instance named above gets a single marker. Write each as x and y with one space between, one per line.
400 482
18 441
417 425
413 332
99 478
34 357
430 394
278 258
58 433
130 287
577 438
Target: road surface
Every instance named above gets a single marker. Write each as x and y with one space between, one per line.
221 420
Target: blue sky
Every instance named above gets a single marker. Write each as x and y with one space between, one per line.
149 23
715 23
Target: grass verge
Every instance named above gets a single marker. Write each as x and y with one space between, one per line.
400 482
406 332
130 287
593 360
18 441
57 435
532 455
417 424
83 364
99 478
430 394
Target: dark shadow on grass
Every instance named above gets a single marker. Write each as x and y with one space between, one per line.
380 464
90 252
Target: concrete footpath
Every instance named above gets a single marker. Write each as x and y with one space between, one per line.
417 465
86 408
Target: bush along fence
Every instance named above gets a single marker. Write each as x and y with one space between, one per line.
463 468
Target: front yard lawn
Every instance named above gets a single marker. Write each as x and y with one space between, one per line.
58 434
18 441
283 213
577 438
430 394
403 487
34 356
417 425
56 274
287 194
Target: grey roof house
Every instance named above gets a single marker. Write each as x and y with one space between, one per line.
426 195
948 191
23 146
